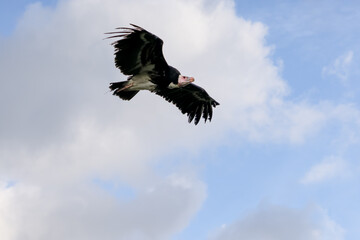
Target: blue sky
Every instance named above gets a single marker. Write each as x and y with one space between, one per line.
278 161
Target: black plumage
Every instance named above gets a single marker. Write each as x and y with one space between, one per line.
139 55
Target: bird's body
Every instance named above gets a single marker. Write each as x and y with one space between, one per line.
138 54
141 81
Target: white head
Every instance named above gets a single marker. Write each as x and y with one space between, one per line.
183 80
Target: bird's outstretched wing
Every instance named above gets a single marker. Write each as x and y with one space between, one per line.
138 51
191 100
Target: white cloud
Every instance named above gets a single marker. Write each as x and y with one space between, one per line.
329 168
81 211
269 222
340 67
7 223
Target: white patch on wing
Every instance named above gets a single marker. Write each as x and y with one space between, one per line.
138 58
142 82
173 85
145 41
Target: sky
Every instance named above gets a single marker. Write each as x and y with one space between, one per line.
278 161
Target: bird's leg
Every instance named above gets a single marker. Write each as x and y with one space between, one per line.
124 88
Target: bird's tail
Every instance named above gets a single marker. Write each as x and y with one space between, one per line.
119 89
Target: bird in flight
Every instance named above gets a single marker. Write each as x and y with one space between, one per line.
139 55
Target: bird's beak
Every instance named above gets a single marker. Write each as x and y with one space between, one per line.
183 81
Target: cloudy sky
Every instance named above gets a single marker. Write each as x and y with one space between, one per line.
279 161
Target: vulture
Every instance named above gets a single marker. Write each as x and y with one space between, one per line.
139 55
